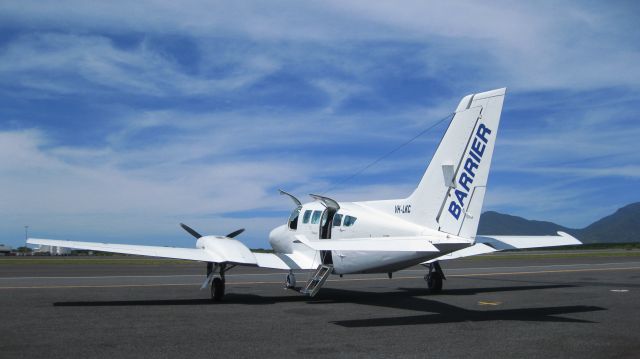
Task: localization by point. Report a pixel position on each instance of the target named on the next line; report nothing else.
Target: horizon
(119, 121)
(502, 214)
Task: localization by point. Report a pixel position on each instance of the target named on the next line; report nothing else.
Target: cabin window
(293, 218)
(316, 217)
(337, 220)
(349, 221)
(307, 215)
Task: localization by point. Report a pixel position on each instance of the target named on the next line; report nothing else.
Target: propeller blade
(190, 230)
(235, 233)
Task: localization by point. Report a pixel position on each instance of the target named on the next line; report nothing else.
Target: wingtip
(567, 235)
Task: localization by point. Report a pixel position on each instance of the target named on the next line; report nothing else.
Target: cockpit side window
(316, 217)
(293, 218)
(307, 215)
(349, 221)
(337, 220)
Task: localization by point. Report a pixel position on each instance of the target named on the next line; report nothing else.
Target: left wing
(194, 254)
(489, 244)
(222, 250)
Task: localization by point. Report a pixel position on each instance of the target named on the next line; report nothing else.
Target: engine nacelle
(227, 249)
(281, 240)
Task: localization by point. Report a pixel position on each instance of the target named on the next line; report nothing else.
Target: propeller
(235, 233)
(198, 235)
(190, 230)
(211, 267)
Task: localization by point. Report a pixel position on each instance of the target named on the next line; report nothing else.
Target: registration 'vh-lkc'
(403, 208)
(470, 165)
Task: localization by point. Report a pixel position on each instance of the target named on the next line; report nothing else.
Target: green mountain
(621, 226)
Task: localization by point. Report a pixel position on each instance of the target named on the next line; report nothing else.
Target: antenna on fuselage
(394, 150)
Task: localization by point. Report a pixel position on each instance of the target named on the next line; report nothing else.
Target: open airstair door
(326, 224)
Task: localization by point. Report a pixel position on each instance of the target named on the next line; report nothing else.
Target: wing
(223, 251)
(489, 244)
(385, 244)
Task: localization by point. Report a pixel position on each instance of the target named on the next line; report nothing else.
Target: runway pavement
(496, 307)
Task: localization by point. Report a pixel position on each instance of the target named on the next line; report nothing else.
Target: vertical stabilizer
(450, 195)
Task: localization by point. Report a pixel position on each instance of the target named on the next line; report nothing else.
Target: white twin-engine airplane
(437, 222)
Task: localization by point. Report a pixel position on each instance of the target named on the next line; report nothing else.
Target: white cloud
(53, 62)
(524, 46)
(220, 164)
(597, 142)
(38, 184)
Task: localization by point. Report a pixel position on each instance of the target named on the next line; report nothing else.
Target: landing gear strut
(290, 281)
(434, 277)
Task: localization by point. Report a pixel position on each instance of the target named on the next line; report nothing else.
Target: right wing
(489, 244)
(223, 250)
(385, 244)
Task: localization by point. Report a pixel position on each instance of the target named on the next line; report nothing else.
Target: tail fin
(450, 195)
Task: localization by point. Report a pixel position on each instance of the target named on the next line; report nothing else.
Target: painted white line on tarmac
(284, 272)
(330, 280)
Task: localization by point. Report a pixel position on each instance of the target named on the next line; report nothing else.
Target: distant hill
(499, 223)
(622, 226)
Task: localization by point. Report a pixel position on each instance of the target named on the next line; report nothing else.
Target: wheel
(290, 281)
(217, 289)
(434, 281)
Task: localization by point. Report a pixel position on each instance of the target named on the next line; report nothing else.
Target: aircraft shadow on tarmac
(417, 299)
(438, 312)
(585, 281)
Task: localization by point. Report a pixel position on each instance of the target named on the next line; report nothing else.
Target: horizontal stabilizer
(489, 244)
(522, 242)
(386, 244)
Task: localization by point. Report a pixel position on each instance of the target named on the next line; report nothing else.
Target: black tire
(217, 289)
(290, 282)
(434, 282)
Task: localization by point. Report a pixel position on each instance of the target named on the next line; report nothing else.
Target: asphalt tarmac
(489, 308)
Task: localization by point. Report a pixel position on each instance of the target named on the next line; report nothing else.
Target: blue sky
(118, 120)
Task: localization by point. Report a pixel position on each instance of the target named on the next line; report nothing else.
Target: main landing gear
(434, 277)
(217, 289)
(216, 280)
(290, 281)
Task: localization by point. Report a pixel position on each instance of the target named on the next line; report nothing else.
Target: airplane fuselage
(357, 220)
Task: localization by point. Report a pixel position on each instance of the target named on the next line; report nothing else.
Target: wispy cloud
(67, 63)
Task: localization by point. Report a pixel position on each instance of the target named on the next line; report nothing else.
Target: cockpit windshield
(349, 221)
(315, 218)
(293, 218)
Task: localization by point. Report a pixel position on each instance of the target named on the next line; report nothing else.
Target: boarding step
(317, 280)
